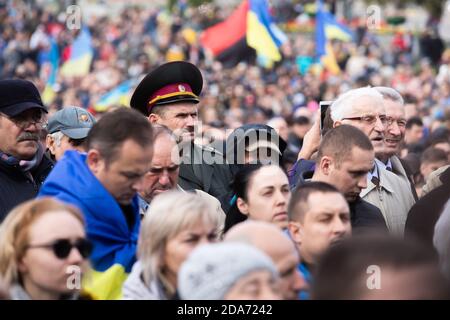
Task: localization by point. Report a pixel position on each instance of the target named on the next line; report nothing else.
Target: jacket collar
(384, 177)
(397, 166)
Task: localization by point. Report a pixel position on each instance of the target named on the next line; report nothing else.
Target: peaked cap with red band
(172, 82)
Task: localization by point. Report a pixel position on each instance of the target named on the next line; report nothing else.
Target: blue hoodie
(71, 181)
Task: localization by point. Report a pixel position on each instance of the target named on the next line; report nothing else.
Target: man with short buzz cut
(23, 163)
(67, 130)
(273, 242)
(319, 217)
(103, 184)
(344, 159)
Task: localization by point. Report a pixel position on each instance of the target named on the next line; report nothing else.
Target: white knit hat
(212, 269)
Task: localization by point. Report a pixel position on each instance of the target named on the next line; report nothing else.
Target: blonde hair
(168, 215)
(14, 233)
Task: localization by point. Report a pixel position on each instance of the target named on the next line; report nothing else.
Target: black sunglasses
(62, 247)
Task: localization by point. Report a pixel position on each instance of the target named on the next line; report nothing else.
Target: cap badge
(84, 118)
(181, 88)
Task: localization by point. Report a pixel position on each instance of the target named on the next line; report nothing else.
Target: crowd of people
(220, 183)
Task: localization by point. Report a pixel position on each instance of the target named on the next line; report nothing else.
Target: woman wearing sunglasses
(176, 223)
(43, 251)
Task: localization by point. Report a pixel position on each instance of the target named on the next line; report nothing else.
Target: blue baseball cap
(74, 122)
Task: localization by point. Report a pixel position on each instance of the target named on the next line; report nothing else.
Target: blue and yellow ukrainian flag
(111, 264)
(327, 28)
(53, 63)
(262, 34)
(113, 255)
(114, 240)
(118, 96)
(81, 53)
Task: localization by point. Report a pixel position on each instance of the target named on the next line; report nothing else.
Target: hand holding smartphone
(324, 106)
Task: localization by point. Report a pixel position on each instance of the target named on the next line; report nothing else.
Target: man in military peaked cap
(169, 96)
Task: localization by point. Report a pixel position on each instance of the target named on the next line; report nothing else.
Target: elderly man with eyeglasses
(23, 164)
(386, 190)
(365, 109)
(394, 136)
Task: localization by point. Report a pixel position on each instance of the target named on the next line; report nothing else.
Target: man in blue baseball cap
(23, 164)
(67, 130)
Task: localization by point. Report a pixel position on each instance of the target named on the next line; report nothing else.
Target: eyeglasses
(369, 119)
(23, 120)
(62, 247)
(401, 122)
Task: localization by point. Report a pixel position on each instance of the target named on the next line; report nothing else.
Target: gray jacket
(17, 292)
(134, 287)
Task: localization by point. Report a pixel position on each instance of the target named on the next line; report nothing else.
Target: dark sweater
(424, 214)
(17, 187)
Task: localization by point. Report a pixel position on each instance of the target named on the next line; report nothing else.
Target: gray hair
(390, 94)
(57, 137)
(441, 240)
(344, 104)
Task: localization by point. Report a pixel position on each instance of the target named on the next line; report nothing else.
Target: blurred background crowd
(39, 40)
(131, 42)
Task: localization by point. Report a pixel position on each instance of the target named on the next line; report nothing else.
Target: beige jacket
(393, 197)
(434, 180)
(398, 169)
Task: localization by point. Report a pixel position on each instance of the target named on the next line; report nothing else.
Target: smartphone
(324, 105)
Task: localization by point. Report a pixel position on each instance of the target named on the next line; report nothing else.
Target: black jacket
(212, 178)
(16, 187)
(424, 214)
(365, 216)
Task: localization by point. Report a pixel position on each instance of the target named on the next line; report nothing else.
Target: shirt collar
(374, 171)
(379, 172)
(143, 205)
(387, 165)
